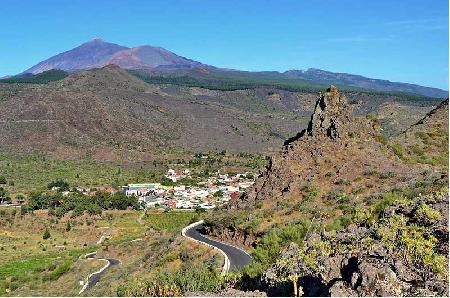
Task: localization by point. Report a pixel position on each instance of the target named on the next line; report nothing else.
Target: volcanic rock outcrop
(334, 142)
(390, 257)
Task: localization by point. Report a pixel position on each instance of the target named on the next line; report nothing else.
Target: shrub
(60, 270)
(174, 283)
(426, 214)
(310, 196)
(68, 226)
(46, 235)
(382, 139)
(268, 248)
(343, 182)
(398, 150)
(218, 194)
(145, 288)
(338, 197)
(417, 247)
(339, 223)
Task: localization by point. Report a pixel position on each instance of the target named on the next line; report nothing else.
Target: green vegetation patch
(170, 221)
(194, 279)
(24, 266)
(41, 78)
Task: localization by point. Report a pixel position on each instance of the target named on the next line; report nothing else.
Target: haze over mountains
(98, 53)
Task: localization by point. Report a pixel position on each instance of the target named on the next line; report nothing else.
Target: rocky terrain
(403, 253)
(334, 142)
(345, 211)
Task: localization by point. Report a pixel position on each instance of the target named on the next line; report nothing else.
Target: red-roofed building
(172, 203)
(234, 195)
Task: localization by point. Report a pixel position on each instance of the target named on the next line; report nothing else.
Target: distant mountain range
(156, 61)
(98, 53)
(326, 77)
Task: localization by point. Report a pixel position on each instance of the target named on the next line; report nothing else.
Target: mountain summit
(92, 54)
(98, 53)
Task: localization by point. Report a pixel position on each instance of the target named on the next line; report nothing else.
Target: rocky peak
(330, 113)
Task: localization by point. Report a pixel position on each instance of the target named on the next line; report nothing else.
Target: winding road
(235, 258)
(94, 277)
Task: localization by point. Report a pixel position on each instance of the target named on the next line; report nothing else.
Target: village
(177, 189)
(215, 191)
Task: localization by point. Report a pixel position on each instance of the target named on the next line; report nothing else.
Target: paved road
(95, 277)
(238, 257)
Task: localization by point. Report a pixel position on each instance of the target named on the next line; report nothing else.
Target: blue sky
(404, 40)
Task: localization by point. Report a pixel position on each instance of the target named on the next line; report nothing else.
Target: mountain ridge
(156, 116)
(323, 76)
(98, 53)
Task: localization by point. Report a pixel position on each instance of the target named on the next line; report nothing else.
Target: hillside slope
(111, 115)
(426, 142)
(339, 212)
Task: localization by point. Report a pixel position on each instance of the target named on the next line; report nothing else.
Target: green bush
(269, 246)
(398, 150)
(60, 184)
(218, 194)
(339, 197)
(427, 214)
(60, 270)
(46, 235)
(417, 246)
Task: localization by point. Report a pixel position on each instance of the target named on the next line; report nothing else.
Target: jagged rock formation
(334, 142)
(331, 111)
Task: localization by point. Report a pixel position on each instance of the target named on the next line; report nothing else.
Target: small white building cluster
(174, 175)
(215, 191)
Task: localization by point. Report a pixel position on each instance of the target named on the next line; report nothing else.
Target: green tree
(218, 194)
(60, 184)
(4, 197)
